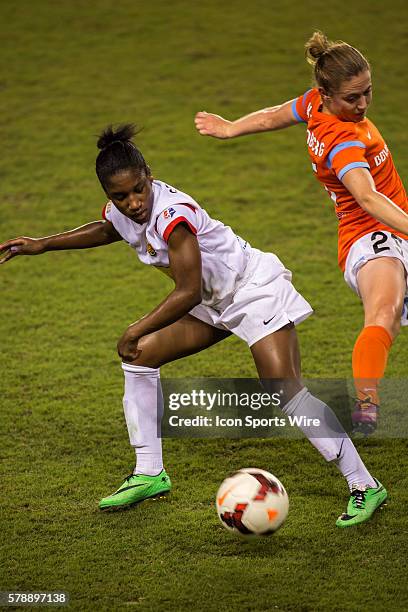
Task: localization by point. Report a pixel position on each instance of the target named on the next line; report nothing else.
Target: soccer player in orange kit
(353, 163)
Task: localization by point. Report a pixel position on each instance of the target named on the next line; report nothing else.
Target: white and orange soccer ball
(252, 502)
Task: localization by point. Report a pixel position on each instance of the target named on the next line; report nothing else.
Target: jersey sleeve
(299, 106)
(169, 218)
(346, 155)
(106, 212)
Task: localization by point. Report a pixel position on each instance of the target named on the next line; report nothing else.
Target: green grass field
(69, 68)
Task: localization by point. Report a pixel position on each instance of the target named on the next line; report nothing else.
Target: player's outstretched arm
(185, 265)
(360, 184)
(265, 120)
(96, 233)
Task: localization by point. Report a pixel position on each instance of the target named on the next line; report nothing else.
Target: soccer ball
(252, 502)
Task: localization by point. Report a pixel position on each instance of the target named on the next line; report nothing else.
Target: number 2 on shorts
(378, 239)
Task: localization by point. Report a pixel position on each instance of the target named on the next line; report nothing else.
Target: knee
(387, 315)
(148, 356)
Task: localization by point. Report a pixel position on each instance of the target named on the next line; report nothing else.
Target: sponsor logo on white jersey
(150, 250)
(169, 213)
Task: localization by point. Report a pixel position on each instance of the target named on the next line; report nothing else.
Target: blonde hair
(333, 62)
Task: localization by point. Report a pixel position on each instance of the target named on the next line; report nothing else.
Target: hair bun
(123, 134)
(316, 46)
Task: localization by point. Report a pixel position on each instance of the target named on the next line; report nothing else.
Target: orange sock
(370, 355)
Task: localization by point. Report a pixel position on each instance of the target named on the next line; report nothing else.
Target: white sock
(329, 438)
(143, 407)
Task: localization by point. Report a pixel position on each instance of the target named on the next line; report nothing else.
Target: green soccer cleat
(362, 505)
(135, 489)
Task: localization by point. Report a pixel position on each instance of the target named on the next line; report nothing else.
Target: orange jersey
(335, 147)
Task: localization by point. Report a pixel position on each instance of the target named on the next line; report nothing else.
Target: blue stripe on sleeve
(344, 145)
(350, 167)
(304, 98)
(295, 113)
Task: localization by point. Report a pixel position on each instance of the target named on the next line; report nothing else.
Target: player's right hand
(20, 246)
(209, 124)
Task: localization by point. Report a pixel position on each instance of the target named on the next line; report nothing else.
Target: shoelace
(359, 499)
(366, 404)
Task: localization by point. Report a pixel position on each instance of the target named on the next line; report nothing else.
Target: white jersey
(224, 255)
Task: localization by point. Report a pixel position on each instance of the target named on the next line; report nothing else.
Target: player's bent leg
(382, 286)
(277, 357)
(185, 337)
(143, 407)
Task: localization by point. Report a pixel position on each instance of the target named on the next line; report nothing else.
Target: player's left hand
(209, 124)
(127, 345)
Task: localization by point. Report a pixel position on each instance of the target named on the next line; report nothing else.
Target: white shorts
(264, 301)
(371, 246)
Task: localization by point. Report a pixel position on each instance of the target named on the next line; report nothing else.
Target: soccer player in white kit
(221, 286)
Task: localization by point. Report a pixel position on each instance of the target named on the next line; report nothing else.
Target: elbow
(367, 201)
(192, 297)
(196, 298)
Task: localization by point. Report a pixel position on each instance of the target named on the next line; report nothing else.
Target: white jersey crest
(224, 255)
